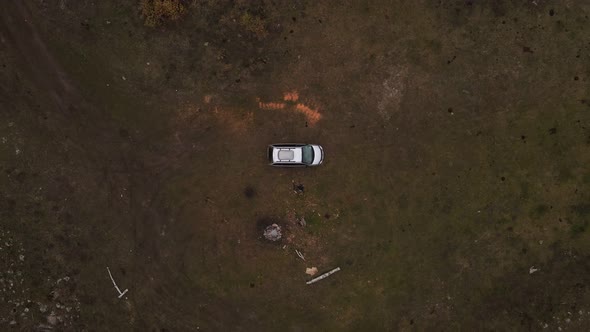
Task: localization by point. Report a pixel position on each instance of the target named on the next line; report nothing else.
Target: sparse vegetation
(253, 24)
(157, 12)
(578, 228)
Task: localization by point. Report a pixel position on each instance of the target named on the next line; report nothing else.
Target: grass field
(454, 194)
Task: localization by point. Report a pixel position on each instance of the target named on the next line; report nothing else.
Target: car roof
(287, 154)
(281, 145)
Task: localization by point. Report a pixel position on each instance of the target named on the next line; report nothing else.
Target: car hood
(318, 155)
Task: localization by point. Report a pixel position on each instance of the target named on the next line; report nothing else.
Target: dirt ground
(454, 194)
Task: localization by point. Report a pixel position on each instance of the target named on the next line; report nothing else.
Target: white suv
(294, 154)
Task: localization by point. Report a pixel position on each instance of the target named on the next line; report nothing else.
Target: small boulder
(272, 232)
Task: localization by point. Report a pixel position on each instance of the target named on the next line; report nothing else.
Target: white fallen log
(116, 287)
(323, 276)
(299, 254)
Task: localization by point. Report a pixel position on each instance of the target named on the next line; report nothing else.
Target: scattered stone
(273, 232)
(533, 270)
(52, 319)
(311, 270)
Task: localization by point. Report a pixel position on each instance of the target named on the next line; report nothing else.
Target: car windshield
(307, 154)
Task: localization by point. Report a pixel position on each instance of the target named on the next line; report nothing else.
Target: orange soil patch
(271, 106)
(313, 116)
(291, 96)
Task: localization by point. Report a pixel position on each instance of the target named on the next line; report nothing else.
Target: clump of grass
(578, 228)
(581, 209)
(540, 210)
(253, 24)
(158, 12)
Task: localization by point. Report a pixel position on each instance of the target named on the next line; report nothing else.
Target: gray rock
(52, 319)
(273, 232)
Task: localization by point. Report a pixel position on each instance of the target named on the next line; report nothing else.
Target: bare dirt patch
(392, 92)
